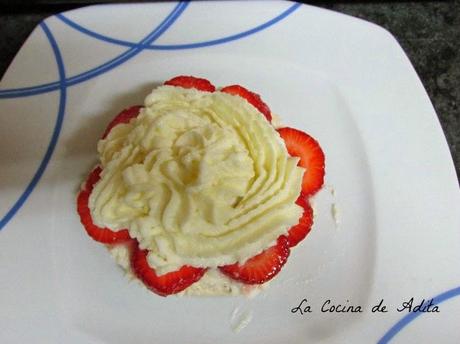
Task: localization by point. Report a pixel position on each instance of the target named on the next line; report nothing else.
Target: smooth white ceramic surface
(345, 81)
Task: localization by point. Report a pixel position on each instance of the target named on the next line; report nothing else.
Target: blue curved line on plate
(226, 39)
(56, 131)
(393, 331)
(136, 48)
(62, 85)
(115, 62)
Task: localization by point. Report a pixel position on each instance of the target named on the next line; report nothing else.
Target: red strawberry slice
(262, 267)
(191, 82)
(311, 157)
(123, 117)
(298, 232)
(253, 99)
(103, 235)
(93, 178)
(167, 284)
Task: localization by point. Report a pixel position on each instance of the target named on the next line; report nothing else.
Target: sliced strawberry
(298, 232)
(167, 284)
(191, 82)
(123, 117)
(103, 235)
(253, 99)
(311, 157)
(262, 267)
(93, 178)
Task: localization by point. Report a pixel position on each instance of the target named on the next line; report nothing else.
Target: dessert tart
(197, 193)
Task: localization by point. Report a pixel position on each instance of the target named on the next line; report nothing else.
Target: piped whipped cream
(198, 179)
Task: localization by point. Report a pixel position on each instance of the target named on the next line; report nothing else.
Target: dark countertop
(429, 32)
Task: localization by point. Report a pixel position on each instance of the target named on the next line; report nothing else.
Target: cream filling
(198, 178)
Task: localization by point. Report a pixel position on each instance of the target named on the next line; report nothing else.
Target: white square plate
(345, 81)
